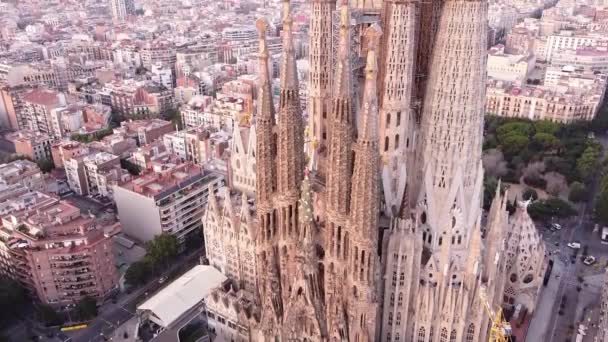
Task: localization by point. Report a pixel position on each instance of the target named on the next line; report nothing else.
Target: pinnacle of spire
(262, 27)
(265, 107)
(289, 75)
(368, 128)
(344, 70)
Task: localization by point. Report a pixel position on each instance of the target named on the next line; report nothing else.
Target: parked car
(590, 260)
(162, 280)
(574, 245)
(556, 226)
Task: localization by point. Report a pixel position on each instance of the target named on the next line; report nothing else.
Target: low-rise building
(23, 172)
(57, 252)
(507, 67)
(197, 145)
(67, 149)
(34, 145)
(170, 198)
(145, 131)
(179, 305)
(94, 174)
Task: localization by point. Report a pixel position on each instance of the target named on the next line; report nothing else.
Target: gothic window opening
(453, 335)
(400, 300)
(398, 119)
(396, 141)
(421, 334)
(392, 299)
(470, 333)
(401, 278)
(444, 335)
(386, 144)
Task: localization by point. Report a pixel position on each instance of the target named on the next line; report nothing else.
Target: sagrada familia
(365, 222)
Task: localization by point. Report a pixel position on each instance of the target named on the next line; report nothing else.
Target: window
(386, 143)
(400, 300)
(453, 335)
(397, 141)
(388, 119)
(390, 318)
(392, 299)
(470, 333)
(398, 320)
(421, 334)
(401, 278)
(444, 335)
(398, 119)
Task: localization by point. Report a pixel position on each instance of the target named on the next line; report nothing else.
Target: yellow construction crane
(500, 330)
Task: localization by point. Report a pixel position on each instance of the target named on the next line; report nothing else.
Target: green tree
(552, 207)
(530, 194)
(133, 168)
(601, 208)
(12, 298)
(589, 161)
(138, 273)
(46, 165)
(47, 315)
(162, 249)
(546, 141)
(86, 308)
(546, 126)
(514, 144)
(514, 128)
(578, 192)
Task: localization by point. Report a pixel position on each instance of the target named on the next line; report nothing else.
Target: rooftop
(165, 178)
(183, 294)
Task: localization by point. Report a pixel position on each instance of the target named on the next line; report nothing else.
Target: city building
(58, 253)
(169, 199)
(197, 145)
(506, 67)
(40, 111)
(94, 174)
(180, 304)
(542, 103)
(121, 9)
(23, 172)
(145, 131)
(32, 144)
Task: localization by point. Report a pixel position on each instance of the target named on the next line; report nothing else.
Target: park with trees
(561, 161)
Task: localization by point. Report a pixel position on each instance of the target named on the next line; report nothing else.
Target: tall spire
(265, 121)
(289, 74)
(319, 82)
(340, 143)
(398, 126)
(364, 219)
(365, 189)
(290, 144)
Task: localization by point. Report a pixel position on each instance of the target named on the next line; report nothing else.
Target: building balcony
(70, 264)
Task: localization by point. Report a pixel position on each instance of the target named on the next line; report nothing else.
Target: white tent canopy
(183, 294)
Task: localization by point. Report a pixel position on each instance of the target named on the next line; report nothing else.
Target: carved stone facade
(526, 261)
(337, 258)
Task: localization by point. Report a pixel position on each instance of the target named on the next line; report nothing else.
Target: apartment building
(57, 252)
(145, 131)
(594, 59)
(540, 103)
(67, 149)
(34, 145)
(508, 67)
(566, 40)
(193, 113)
(197, 145)
(158, 52)
(94, 174)
(139, 99)
(23, 172)
(170, 199)
(40, 109)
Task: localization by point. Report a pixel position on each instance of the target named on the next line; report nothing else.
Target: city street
(113, 315)
(576, 284)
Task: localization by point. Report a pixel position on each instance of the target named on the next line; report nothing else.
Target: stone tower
(397, 115)
(319, 81)
(363, 261)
